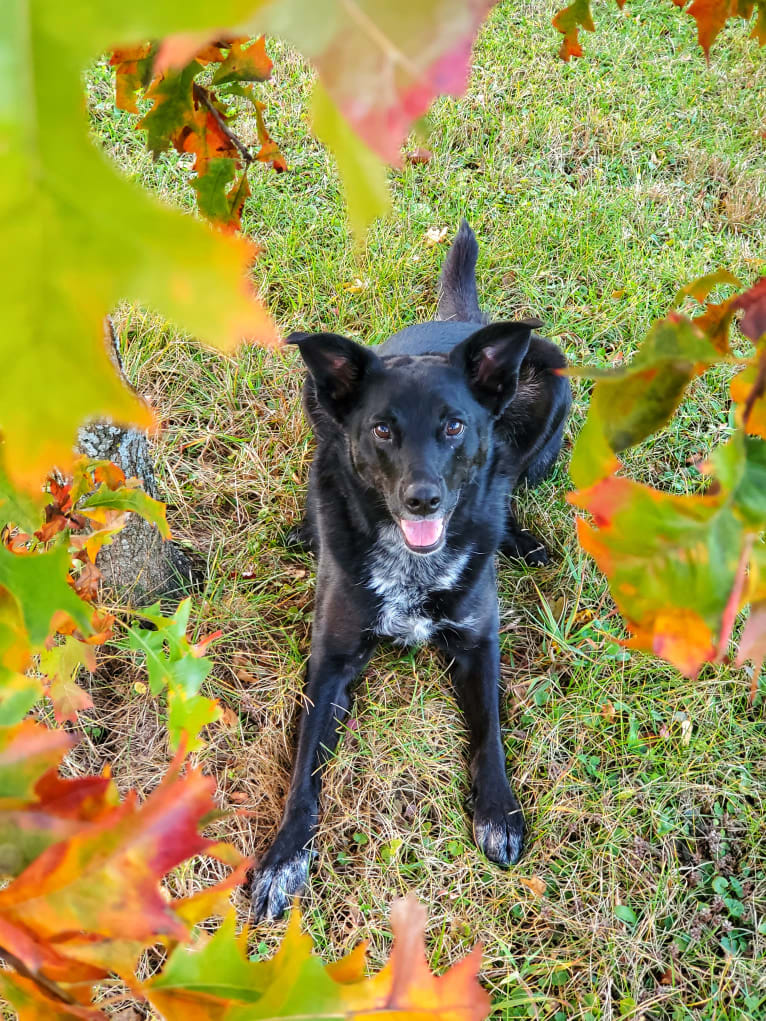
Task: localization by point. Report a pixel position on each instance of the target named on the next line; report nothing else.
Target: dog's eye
(454, 427)
(382, 431)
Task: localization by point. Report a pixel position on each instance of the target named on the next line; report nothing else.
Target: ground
(596, 189)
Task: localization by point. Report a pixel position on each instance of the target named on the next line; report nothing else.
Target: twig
(201, 96)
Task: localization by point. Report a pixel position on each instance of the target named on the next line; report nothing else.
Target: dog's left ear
(491, 359)
(338, 365)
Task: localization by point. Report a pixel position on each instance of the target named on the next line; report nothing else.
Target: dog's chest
(403, 582)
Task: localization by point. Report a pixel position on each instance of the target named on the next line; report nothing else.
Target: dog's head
(418, 427)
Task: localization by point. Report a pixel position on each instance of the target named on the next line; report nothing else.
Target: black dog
(420, 443)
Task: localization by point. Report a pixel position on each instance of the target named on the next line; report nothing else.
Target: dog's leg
(340, 650)
(498, 822)
(522, 544)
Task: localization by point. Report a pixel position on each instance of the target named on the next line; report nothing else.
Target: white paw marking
(274, 888)
(498, 840)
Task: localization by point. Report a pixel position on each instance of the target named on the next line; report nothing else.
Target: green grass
(596, 189)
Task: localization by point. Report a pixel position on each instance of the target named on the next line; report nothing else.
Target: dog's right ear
(338, 366)
(491, 358)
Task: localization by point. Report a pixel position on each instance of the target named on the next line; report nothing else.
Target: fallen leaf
(356, 286)
(608, 711)
(419, 155)
(435, 236)
(229, 718)
(535, 884)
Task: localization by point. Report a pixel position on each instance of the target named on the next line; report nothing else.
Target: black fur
(458, 299)
(420, 443)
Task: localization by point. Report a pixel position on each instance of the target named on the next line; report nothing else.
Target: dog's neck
(404, 581)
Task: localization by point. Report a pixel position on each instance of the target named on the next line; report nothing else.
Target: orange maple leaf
(711, 16)
(569, 21)
(94, 900)
(406, 982)
(205, 137)
(177, 50)
(680, 636)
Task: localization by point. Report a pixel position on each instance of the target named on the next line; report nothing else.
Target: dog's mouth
(423, 535)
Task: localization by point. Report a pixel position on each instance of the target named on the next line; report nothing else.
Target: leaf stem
(758, 389)
(732, 604)
(47, 985)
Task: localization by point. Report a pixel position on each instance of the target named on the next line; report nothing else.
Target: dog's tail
(457, 282)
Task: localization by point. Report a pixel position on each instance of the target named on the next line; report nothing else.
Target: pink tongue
(422, 533)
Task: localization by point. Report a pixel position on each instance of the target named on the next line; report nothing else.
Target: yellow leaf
(535, 884)
(78, 237)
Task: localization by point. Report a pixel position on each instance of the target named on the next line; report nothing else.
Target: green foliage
(87, 241)
(362, 171)
(88, 237)
(176, 665)
(677, 565)
(49, 581)
(38, 583)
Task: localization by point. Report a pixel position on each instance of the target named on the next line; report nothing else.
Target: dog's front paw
(300, 538)
(276, 881)
(498, 828)
(524, 545)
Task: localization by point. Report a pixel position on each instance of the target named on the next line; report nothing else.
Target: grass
(596, 189)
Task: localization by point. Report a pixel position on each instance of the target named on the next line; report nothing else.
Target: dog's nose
(422, 497)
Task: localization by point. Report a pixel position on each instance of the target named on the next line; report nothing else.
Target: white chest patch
(403, 580)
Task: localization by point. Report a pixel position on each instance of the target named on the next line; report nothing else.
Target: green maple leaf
(629, 404)
(672, 564)
(173, 106)
(187, 715)
(361, 170)
(38, 584)
(172, 662)
(740, 466)
(211, 188)
(569, 21)
(78, 237)
(129, 498)
(219, 981)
